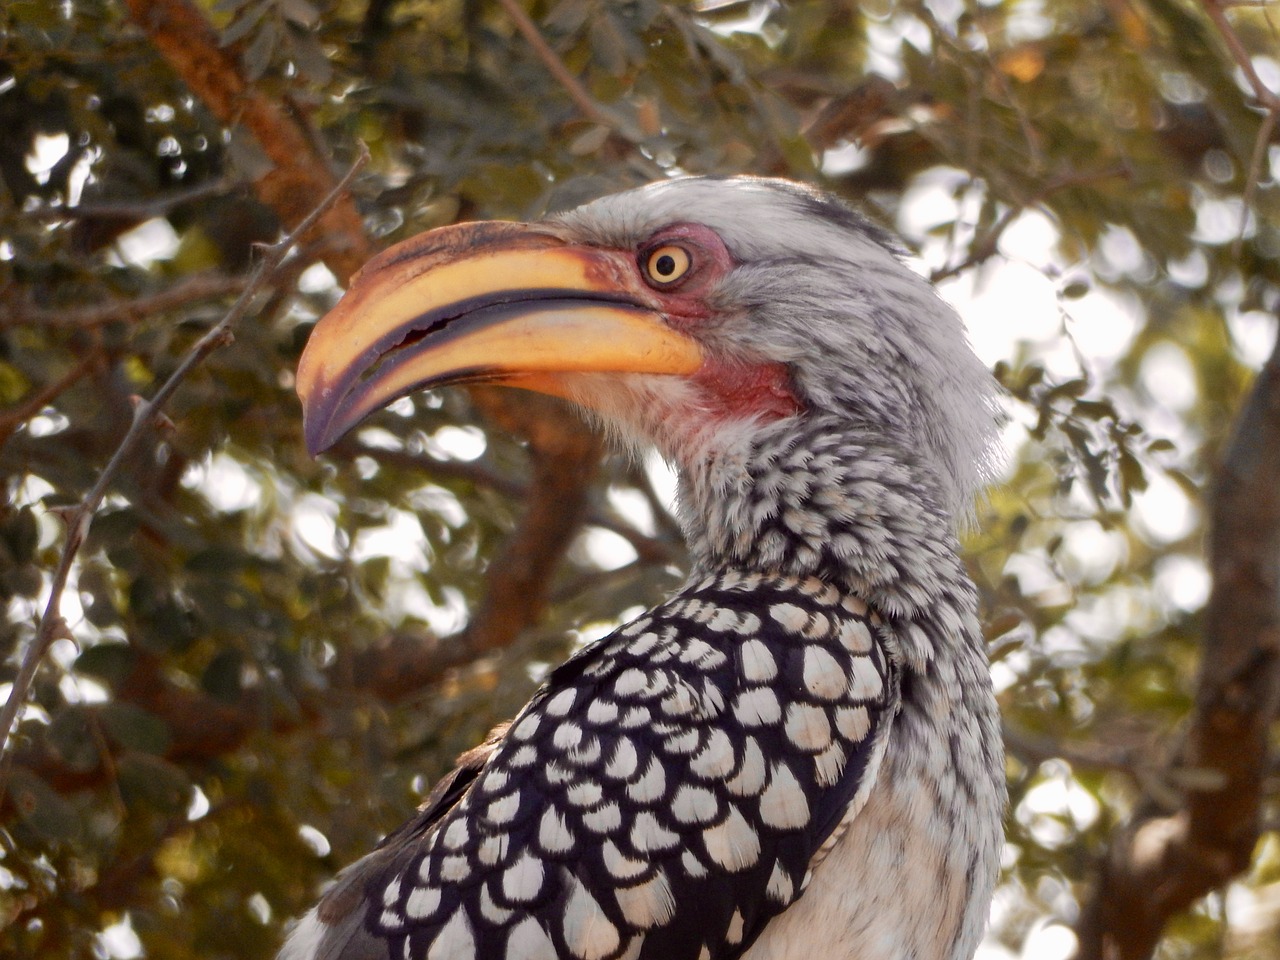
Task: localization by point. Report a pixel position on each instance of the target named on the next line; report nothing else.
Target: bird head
(693, 314)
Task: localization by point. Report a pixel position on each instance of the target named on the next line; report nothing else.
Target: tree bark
(1162, 861)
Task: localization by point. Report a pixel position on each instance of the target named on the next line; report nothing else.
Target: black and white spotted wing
(664, 794)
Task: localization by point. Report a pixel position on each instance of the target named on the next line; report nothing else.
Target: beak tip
(318, 430)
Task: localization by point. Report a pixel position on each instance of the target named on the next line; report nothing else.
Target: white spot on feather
(554, 835)
(648, 835)
(624, 761)
(758, 664)
(866, 683)
(783, 804)
(648, 904)
(522, 881)
(457, 834)
(684, 742)
(829, 765)
(528, 941)
(490, 910)
(791, 617)
(493, 849)
(757, 707)
(695, 805)
(734, 934)
(750, 778)
(422, 903)
(853, 722)
(585, 794)
(630, 682)
(732, 843)
(605, 820)
(619, 865)
(527, 727)
(855, 637)
(602, 711)
(781, 887)
(651, 787)
(391, 893)
(567, 736)
(587, 930)
(693, 867)
(716, 759)
(823, 676)
(561, 703)
(455, 941)
(808, 727)
(454, 869)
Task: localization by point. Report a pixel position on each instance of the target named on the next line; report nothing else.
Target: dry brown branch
(11, 419)
(145, 417)
(188, 41)
(190, 44)
(1268, 99)
(1160, 863)
(1032, 748)
(649, 549)
(204, 286)
(586, 104)
(133, 212)
(564, 456)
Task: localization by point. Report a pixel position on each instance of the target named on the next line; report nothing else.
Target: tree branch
(146, 415)
(984, 248)
(11, 419)
(201, 286)
(564, 456)
(1268, 98)
(586, 104)
(1161, 863)
(189, 42)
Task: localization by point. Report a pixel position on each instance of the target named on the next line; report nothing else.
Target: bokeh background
(267, 659)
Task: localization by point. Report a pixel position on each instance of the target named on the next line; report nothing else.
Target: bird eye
(667, 264)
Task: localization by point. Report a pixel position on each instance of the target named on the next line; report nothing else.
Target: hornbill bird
(795, 756)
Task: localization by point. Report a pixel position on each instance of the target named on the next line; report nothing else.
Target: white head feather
(825, 291)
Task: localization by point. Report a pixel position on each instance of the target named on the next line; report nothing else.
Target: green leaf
(133, 728)
(147, 782)
(71, 735)
(106, 661)
(42, 809)
(222, 677)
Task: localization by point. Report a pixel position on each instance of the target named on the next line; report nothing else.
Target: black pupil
(665, 265)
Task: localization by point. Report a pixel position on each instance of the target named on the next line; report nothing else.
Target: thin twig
(52, 625)
(591, 109)
(205, 286)
(137, 210)
(1217, 12)
(12, 418)
(985, 247)
(1253, 176)
(1267, 98)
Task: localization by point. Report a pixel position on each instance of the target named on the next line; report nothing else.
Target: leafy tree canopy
(265, 660)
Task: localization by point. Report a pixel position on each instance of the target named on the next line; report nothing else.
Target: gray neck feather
(818, 496)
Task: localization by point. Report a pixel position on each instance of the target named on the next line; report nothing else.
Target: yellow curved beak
(479, 302)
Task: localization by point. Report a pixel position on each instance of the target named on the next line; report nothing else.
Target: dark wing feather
(661, 797)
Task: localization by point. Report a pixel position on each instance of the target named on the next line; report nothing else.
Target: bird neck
(821, 496)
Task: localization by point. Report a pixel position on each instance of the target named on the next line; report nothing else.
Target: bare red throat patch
(742, 390)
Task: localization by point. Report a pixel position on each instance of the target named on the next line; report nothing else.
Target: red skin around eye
(709, 259)
(736, 389)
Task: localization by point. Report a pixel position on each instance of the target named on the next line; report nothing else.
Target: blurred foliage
(208, 751)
